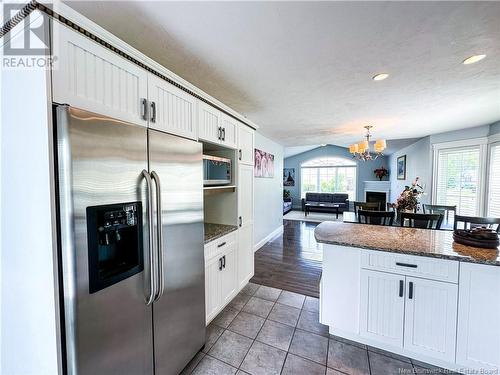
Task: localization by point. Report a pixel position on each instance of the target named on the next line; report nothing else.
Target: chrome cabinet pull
(219, 133)
(221, 244)
(220, 264)
(224, 134)
(239, 154)
(152, 269)
(241, 221)
(144, 109)
(159, 237)
(153, 112)
(401, 288)
(224, 261)
(410, 291)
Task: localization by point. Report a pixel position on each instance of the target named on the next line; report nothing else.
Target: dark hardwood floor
(291, 262)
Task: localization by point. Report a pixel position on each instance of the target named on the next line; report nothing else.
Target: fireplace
(378, 191)
(377, 196)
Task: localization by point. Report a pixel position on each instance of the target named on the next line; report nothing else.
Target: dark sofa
(338, 198)
(287, 205)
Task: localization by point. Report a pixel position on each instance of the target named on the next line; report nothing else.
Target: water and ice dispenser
(115, 243)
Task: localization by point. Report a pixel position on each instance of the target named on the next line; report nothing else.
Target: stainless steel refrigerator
(130, 208)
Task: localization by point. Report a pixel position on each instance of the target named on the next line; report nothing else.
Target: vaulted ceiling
(302, 70)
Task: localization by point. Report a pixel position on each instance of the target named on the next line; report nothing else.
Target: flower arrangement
(381, 173)
(408, 199)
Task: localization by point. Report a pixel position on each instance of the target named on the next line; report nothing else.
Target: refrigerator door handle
(152, 270)
(159, 237)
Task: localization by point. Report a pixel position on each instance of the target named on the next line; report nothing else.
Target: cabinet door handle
(401, 288)
(241, 221)
(406, 265)
(239, 154)
(144, 109)
(220, 264)
(221, 244)
(410, 291)
(224, 261)
(153, 112)
(224, 134)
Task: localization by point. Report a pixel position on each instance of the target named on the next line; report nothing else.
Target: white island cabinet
(439, 311)
(478, 336)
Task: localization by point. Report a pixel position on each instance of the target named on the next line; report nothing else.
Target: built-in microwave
(216, 170)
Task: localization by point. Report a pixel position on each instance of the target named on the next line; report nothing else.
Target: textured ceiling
(302, 70)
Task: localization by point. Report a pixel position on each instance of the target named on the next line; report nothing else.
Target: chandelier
(361, 150)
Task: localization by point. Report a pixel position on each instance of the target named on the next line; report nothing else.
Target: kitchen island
(413, 292)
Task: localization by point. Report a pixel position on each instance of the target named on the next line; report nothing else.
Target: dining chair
(426, 221)
(474, 222)
(440, 209)
(385, 218)
(366, 206)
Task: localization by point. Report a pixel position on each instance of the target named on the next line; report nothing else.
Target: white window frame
(493, 140)
(483, 167)
(354, 165)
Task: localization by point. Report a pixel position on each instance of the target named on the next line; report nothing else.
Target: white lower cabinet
(245, 255)
(430, 318)
(221, 274)
(438, 311)
(382, 307)
(478, 334)
(409, 313)
(212, 288)
(229, 283)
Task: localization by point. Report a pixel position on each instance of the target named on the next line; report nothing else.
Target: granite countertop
(214, 231)
(412, 241)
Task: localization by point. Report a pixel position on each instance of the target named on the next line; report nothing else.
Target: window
(458, 178)
(494, 181)
(329, 175)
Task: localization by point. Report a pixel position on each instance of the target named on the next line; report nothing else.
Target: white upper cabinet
(478, 336)
(209, 128)
(229, 129)
(245, 144)
(170, 109)
(88, 76)
(216, 127)
(430, 318)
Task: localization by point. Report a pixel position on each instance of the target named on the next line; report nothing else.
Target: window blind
(494, 182)
(458, 176)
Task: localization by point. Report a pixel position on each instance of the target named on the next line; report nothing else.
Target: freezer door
(179, 314)
(103, 204)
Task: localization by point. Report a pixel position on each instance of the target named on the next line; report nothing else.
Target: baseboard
(271, 236)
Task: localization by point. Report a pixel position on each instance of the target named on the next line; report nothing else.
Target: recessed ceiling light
(473, 59)
(380, 76)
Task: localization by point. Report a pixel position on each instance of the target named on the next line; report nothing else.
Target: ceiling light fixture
(473, 59)
(361, 150)
(380, 76)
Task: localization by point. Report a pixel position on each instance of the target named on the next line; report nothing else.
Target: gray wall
(364, 172)
(418, 162)
(419, 157)
(268, 193)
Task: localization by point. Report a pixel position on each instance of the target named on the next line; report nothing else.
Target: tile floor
(266, 331)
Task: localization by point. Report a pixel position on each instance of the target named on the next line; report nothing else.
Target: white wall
(28, 307)
(268, 194)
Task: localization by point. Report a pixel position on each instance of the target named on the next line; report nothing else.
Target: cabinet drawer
(411, 265)
(216, 247)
